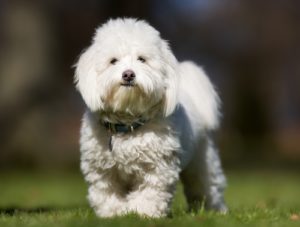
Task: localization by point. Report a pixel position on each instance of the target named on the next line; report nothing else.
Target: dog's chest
(139, 153)
(131, 156)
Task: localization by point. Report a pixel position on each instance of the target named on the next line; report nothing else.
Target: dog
(149, 122)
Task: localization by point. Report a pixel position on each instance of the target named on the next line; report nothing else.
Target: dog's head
(128, 68)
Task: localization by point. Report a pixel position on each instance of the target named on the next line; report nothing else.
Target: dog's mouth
(128, 84)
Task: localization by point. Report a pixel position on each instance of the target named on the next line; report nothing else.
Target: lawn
(260, 198)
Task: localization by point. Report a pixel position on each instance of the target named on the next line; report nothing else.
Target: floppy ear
(171, 80)
(86, 79)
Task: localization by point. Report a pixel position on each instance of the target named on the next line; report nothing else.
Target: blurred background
(250, 49)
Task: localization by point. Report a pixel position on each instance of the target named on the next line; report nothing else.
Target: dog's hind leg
(203, 179)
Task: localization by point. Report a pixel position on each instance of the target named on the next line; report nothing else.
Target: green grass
(44, 199)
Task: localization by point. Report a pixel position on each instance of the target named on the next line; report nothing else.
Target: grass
(44, 199)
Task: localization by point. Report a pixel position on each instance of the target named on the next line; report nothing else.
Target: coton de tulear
(149, 121)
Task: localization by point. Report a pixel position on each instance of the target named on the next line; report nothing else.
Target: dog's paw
(151, 209)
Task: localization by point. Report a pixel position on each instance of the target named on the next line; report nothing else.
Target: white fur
(180, 108)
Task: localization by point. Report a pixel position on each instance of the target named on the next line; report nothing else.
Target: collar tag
(110, 143)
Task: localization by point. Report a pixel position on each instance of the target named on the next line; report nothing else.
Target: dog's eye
(141, 59)
(113, 61)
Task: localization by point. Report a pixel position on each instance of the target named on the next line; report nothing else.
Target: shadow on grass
(11, 211)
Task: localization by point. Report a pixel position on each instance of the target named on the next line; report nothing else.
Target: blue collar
(122, 128)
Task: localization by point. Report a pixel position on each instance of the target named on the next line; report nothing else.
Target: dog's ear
(171, 80)
(86, 79)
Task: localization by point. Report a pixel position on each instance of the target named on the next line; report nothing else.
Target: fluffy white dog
(148, 122)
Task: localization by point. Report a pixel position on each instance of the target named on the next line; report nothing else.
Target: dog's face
(128, 68)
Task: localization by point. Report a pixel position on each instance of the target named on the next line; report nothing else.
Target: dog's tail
(198, 95)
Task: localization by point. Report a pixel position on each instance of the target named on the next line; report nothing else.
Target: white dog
(149, 120)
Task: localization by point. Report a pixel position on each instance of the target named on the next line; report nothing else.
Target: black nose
(128, 75)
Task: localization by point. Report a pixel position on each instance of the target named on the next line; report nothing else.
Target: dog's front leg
(154, 196)
(106, 199)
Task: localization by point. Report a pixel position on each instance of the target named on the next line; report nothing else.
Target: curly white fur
(138, 171)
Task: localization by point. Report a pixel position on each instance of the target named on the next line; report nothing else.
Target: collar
(122, 128)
